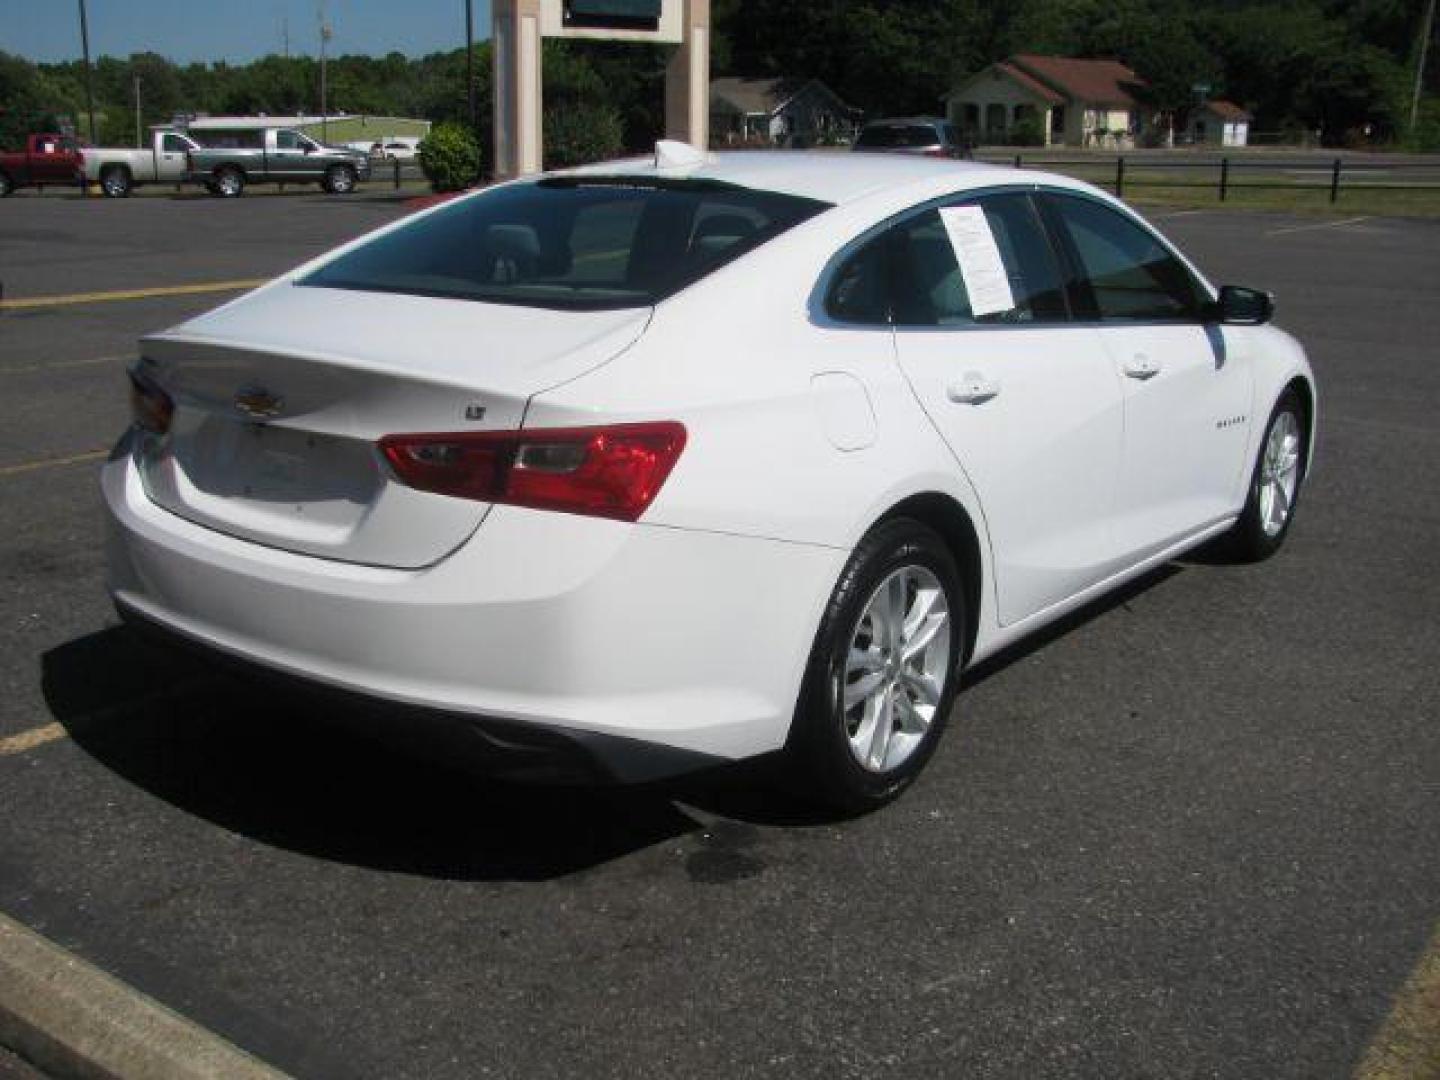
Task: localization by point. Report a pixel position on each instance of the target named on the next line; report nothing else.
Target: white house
(1074, 102)
(777, 110)
(1219, 123)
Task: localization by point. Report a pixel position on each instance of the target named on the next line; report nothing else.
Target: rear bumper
(516, 751)
(593, 630)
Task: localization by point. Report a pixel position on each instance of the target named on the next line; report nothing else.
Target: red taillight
(614, 471)
(150, 407)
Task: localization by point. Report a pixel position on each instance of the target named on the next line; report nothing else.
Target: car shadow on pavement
(269, 766)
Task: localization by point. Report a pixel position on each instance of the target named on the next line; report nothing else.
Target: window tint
(174, 144)
(1127, 273)
(287, 140)
(911, 272)
(570, 243)
(859, 291)
(930, 288)
(897, 136)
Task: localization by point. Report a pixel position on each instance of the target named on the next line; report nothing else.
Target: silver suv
(913, 135)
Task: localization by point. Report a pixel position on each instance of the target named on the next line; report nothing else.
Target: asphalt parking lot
(1190, 834)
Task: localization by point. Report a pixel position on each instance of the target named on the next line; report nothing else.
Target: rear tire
(6, 186)
(339, 180)
(1275, 484)
(115, 182)
(883, 671)
(229, 183)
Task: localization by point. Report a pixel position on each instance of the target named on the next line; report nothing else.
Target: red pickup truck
(47, 159)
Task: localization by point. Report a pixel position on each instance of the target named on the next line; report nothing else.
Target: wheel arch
(1306, 393)
(954, 525)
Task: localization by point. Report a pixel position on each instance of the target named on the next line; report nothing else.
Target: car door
(289, 161)
(1029, 403)
(170, 162)
(1187, 386)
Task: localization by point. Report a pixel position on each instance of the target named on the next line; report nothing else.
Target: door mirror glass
(1243, 307)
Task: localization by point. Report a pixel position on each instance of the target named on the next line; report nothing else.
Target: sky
(188, 30)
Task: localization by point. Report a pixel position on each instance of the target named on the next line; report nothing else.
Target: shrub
(1027, 132)
(580, 134)
(450, 157)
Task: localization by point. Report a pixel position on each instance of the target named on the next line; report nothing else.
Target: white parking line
(1318, 225)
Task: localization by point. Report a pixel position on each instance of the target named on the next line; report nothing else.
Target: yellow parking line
(29, 740)
(1408, 1044)
(50, 463)
(130, 294)
(60, 365)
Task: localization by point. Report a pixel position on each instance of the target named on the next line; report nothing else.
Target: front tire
(6, 186)
(883, 671)
(1274, 484)
(115, 182)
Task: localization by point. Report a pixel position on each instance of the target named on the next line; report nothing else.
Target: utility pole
(1426, 26)
(470, 67)
(85, 50)
(138, 143)
(285, 35)
(325, 35)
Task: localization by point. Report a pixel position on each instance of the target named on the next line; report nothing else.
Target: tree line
(1343, 68)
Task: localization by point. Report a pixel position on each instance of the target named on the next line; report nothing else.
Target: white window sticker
(980, 264)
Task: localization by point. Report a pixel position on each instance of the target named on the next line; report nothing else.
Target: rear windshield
(897, 135)
(571, 243)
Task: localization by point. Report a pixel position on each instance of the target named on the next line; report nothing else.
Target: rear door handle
(973, 389)
(1141, 367)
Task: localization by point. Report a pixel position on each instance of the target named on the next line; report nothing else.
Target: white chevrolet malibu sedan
(673, 462)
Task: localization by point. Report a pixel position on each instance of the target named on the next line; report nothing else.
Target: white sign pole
(517, 28)
(687, 80)
(515, 47)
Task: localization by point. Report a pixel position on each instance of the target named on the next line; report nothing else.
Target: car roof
(829, 176)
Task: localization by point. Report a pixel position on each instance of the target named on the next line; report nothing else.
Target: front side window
(287, 140)
(571, 243)
(1126, 273)
(174, 144)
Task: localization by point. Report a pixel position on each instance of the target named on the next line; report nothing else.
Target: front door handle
(973, 389)
(1141, 367)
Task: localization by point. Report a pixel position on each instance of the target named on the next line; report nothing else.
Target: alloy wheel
(895, 668)
(1279, 473)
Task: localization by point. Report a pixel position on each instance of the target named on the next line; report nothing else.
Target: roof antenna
(670, 154)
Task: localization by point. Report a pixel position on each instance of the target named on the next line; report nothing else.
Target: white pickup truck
(118, 172)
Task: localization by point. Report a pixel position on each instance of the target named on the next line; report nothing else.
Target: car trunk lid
(280, 399)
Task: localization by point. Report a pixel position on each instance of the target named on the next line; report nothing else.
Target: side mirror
(1240, 306)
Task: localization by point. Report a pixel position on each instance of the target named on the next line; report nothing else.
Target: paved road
(1193, 834)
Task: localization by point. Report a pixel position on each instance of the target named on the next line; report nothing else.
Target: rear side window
(912, 275)
(1126, 273)
(897, 137)
(571, 243)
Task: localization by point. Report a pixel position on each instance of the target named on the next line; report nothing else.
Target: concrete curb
(73, 1020)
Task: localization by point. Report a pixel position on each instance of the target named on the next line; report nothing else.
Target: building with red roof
(1071, 101)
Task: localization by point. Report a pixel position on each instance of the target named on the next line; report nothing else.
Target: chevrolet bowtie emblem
(258, 403)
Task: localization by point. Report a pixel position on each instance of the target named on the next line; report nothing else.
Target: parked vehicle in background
(913, 135)
(48, 158)
(120, 171)
(395, 149)
(231, 159)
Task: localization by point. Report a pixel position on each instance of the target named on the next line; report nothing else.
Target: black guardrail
(1233, 174)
